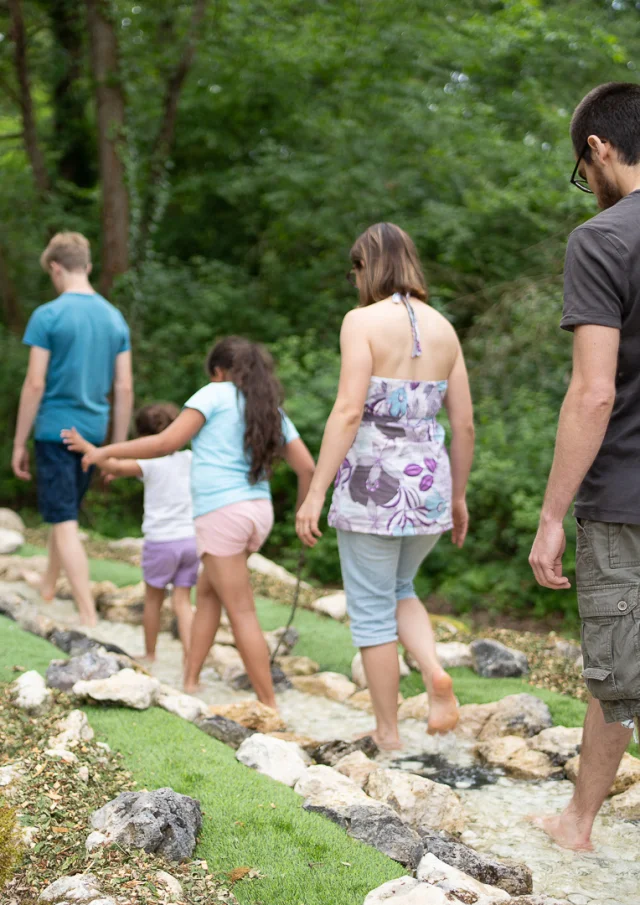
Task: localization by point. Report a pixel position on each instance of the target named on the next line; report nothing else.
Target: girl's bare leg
(383, 677)
(153, 600)
(50, 577)
(416, 635)
(204, 626)
(181, 602)
(229, 575)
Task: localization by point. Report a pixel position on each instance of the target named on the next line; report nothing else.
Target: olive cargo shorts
(608, 581)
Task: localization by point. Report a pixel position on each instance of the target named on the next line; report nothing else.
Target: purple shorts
(170, 562)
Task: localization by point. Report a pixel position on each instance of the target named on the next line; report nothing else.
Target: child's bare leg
(416, 635)
(229, 575)
(52, 573)
(73, 560)
(383, 678)
(153, 600)
(203, 631)
(181, 602)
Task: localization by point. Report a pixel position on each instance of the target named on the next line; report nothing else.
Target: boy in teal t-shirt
(79, 353)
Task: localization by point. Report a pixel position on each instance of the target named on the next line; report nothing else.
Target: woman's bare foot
(564, 831)
(443, 708)
(384, 742)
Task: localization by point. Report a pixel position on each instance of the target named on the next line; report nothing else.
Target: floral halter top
(396, 478)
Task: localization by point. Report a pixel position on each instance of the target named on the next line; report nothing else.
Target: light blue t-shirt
(84, 335)
(220, 468)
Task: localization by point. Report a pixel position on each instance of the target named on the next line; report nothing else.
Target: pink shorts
(238, 528)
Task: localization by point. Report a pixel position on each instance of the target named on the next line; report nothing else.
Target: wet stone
(281, 681)
(437, 768)
(493, 660)
(227, 731)
(75, 643)
(329, 753)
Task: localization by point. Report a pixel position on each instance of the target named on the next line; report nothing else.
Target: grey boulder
(162, 821)
(225, 730)
(494, 660)
(94, 664)
(376, 825)
(514, 878)
(241, 682)
(75, 643)
(81, 889)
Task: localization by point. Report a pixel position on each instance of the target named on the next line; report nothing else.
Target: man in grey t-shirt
(598, 446)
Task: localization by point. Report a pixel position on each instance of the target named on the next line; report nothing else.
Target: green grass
(304, 859)
(120, 573)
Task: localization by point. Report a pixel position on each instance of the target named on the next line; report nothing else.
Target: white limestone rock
(421, 802)
(321, 785)
(453, 654)
(358, 674)
(259, 563)
(10, 541)
(559, 743)
(74, 728)
(332, 685)
(11, 521)
(407, 891)
(513, 754)
(334, 605)
(186, 706)
(79, 889)
(30, 693)
(357, 766)
(133, 689)
(282, 761)
(170, 883)
(454, 882)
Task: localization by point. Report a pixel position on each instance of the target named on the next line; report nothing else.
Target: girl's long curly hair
(250, 367)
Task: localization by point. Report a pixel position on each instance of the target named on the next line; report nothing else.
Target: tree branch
(11, 310)
(32, 145)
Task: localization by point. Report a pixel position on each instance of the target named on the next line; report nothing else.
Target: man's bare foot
(443, 709)
(384, 742)
(564, 831)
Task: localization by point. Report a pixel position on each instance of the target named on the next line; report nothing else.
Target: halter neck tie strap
(398, 298)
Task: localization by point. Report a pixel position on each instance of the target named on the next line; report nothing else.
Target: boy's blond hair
(69, 250)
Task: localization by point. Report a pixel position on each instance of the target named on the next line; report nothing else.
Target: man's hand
(20, 463)
(546, 556)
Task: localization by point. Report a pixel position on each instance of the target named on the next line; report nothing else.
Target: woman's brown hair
(387, 261)
(250, 367)
(153, 419)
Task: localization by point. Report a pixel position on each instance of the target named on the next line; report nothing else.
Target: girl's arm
(343, 423)
(298, 457)
(460, 410)
(170, 440)
(118, 468)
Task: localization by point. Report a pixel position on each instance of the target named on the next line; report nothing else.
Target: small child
(169, 554)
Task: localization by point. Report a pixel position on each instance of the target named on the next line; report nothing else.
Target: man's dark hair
(153, 419)
(612, 112)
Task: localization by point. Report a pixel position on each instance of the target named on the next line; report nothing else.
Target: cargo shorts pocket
(611, 641)
(624, 546)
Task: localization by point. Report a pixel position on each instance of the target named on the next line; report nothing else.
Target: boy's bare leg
(203, 631)
(153, 600)
(229, 576)
(181, 601)
(52, 573)
(73, 559)
(603, 745)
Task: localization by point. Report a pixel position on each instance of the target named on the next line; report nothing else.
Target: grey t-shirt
(602, 286)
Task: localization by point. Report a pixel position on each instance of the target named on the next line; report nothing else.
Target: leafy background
(300, 123)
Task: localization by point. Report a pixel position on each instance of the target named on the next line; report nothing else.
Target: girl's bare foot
(145, 658)
(192, 687)
(443, 708)
(564, 831)
(384, 742)
(47, 592)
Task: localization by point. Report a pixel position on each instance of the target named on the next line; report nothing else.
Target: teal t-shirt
(219, 467)
(84, 335)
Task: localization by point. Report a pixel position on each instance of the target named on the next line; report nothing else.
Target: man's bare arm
(583, 423)
(122, 397)
(30, 398)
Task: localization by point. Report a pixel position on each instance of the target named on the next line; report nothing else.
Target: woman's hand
(74, 441)
(308, 518)
(460, 515)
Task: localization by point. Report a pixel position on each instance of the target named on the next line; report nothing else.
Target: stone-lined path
(496, 813)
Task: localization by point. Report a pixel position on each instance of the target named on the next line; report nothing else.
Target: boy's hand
(20, 463)
(74, 441)
(95, 455)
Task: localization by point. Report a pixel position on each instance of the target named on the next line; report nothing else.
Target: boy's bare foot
(564, 831)
(443, 708)
(384, 742)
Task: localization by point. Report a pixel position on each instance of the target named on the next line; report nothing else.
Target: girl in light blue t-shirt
(237, 430)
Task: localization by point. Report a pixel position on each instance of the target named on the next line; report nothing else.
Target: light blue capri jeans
(377, 572)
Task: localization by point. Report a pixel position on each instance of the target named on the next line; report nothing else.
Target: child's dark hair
(250, 367)
(153, 419)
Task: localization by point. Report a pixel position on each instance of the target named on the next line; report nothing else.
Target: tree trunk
(32, 145)
(166, 132)
(73, 138)
(11, 311)
(111, 110)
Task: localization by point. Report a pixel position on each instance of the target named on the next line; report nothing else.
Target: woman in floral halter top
(396, 490)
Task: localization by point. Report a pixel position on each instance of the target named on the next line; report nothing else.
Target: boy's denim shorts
(61, 482)
(377, 572)
(608, 580)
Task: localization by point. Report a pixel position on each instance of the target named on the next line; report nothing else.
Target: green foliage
(9, 848)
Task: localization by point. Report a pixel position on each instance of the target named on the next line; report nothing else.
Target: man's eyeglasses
(576, 178)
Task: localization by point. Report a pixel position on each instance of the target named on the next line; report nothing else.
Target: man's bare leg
(73, 559)
(50, 578)
(603, 745)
